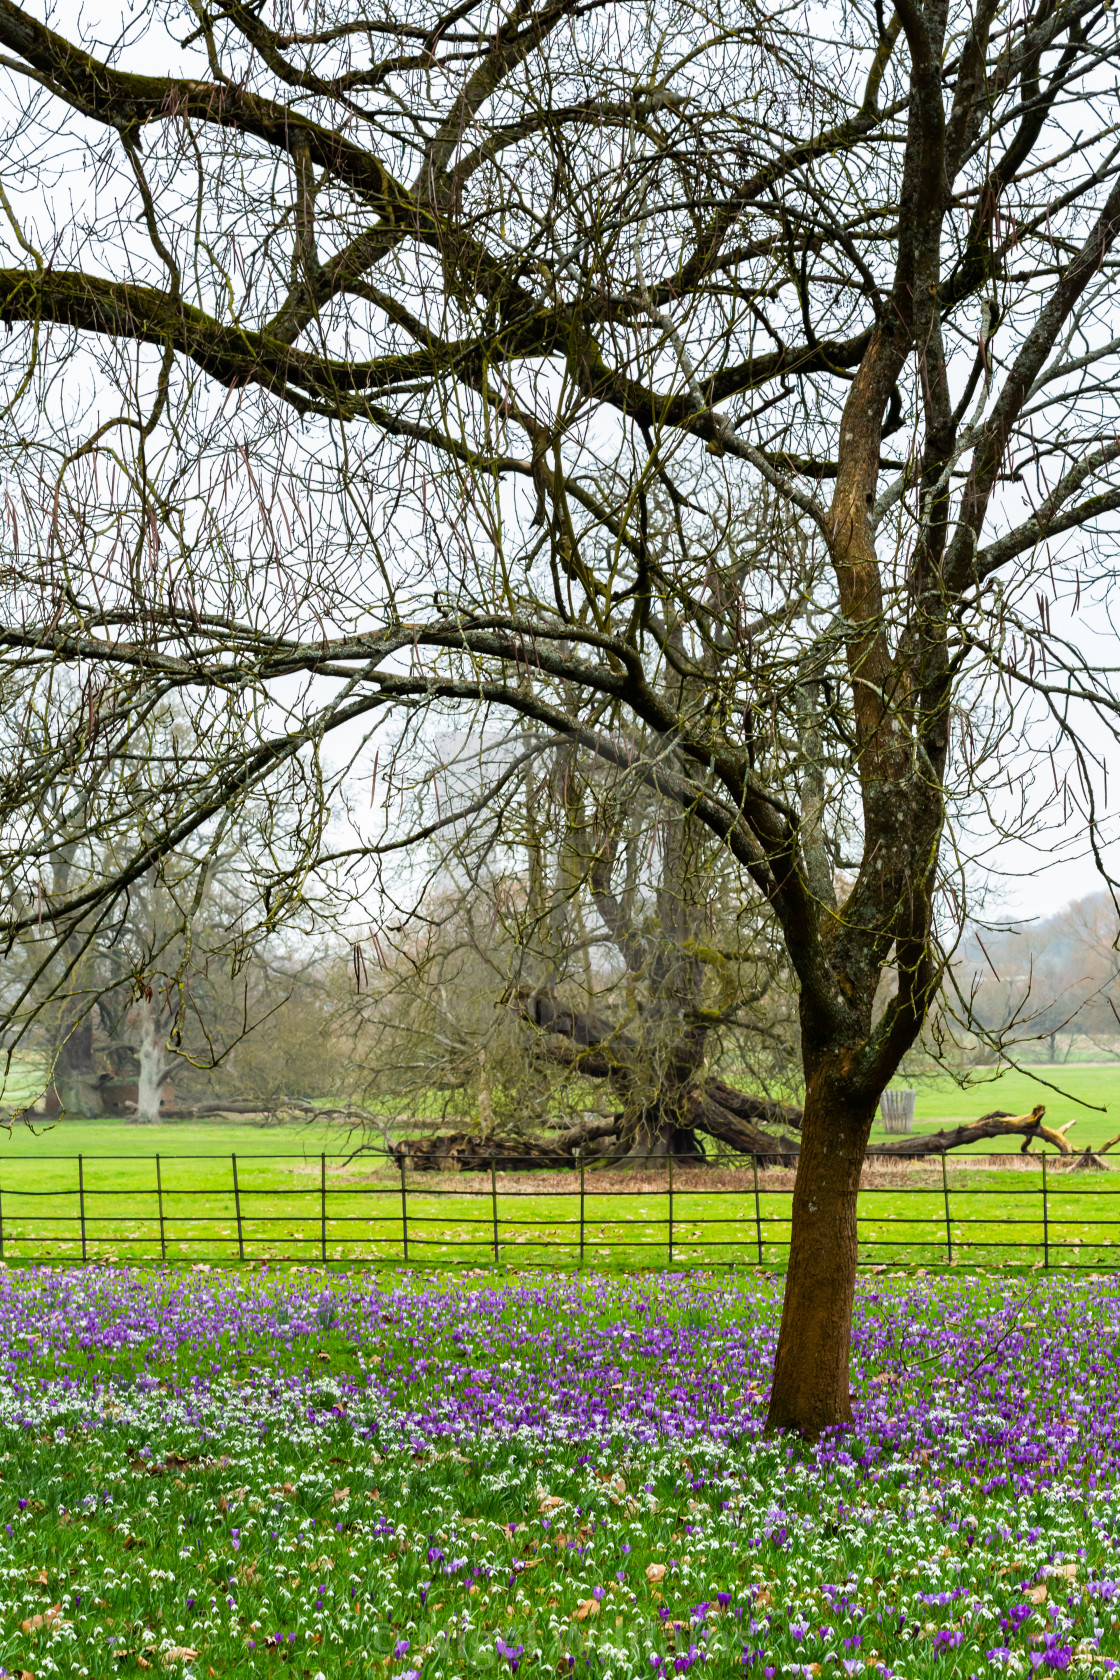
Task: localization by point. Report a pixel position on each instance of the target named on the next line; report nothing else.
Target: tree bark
(810, 1390)
(151, 1052)
(76, 1081)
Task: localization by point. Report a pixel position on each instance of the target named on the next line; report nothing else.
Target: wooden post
(582, 1218)
(757, 1209)
(494, 1203)
(404, 1206)
(237, 1211)
(670, 1208)
(948, 1227)
(323, 1207)
(159, 1198)
(1045, 1220)
(82, 1202)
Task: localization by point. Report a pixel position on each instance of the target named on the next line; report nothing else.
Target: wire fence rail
(372, 1208)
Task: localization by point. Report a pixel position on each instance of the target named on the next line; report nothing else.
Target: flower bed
(211, 1473)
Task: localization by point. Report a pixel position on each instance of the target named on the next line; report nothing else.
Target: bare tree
(357, 355)
(584, 946)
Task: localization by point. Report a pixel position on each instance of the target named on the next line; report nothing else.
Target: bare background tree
(583, 959)
(729, 396)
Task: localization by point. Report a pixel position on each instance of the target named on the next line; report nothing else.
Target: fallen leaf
(325, 1357)
(339, 1495)
(1037, 1595)
(142, 1662)
(179, 1653)
(550, 1502)
(49, 1618)
(655, 1572)
(1067, 1570)
(586, 1607)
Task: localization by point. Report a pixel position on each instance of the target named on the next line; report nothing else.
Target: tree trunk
(659, 1131)
(811, 1390)
(151, 1053)
(76, 1081)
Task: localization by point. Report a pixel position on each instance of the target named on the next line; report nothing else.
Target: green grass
(283, 1194)
(236, 1477)
(940, 1101)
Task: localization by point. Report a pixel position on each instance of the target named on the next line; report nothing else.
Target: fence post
(404, 1205)
(494, 1203)
(582, 1218)
(948, 1227)
(82, 1202)
(237, 1210)
(757, 1209)
(323, 1207)
(1045, 1220)
(670, 1207)
(159, 1198)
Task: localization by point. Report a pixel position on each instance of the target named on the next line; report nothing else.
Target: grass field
(284, 1190)
(1088, 1095)
(242, 1475)
(290, 1202)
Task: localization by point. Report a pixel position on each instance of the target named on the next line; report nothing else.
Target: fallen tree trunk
(1027, 1126)
(599, 1139)
(738, 1103)
(459, 1152)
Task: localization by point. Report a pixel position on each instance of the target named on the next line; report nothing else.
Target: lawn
(1086, 1094)
(170, 1192)
(213, 1474)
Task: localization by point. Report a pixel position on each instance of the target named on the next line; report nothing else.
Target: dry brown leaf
(339, 1495)
(142, 1662)
(550, 1502)
(49, 1618)
(655, 1572)
(586, 1607)
(179, 1653)
(38, 1577)
(1037, 1595)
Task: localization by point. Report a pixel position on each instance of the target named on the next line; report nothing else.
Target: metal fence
(373, 1209)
